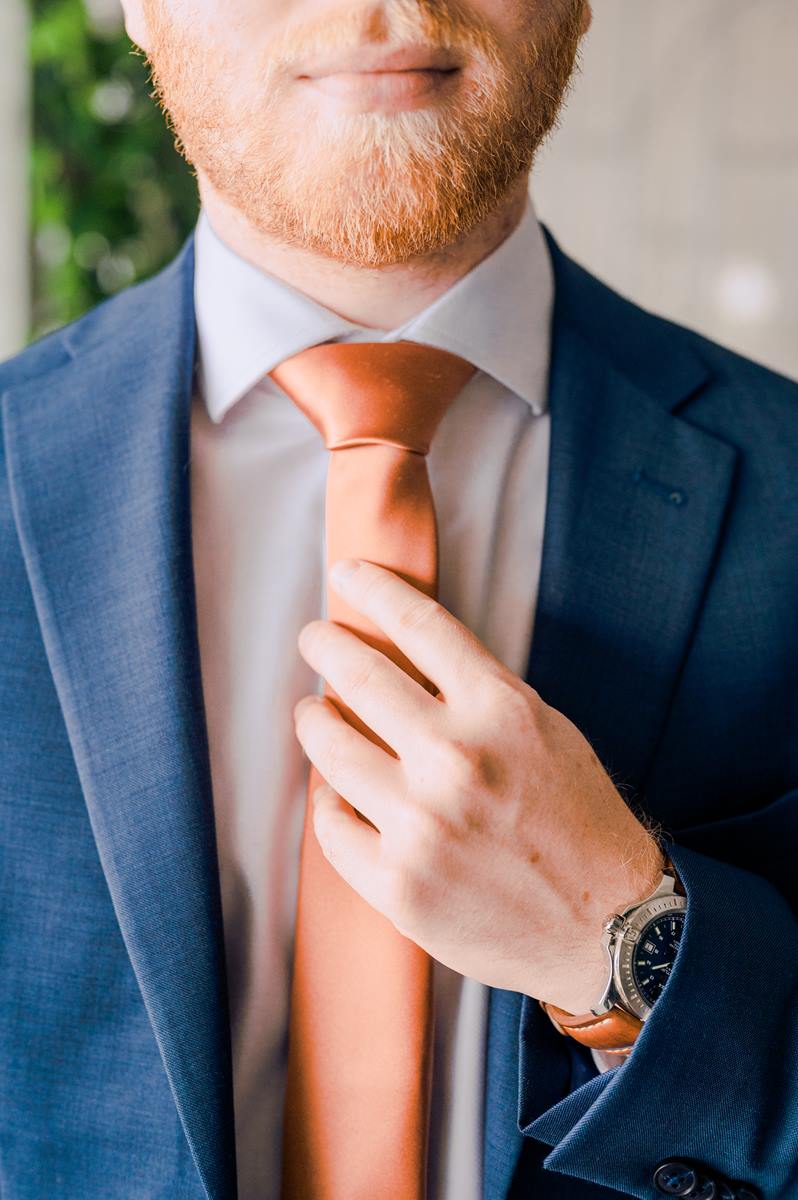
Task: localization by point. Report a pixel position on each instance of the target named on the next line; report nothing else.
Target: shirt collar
(497, 315)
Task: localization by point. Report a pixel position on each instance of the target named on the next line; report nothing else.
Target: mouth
(369, 60)
(371, 77)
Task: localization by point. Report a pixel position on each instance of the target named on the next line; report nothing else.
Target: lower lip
(390, 87)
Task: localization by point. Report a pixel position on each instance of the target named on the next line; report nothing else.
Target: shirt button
(705, 1190)
(675, 1179)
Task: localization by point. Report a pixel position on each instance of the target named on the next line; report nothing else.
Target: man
(577, 702)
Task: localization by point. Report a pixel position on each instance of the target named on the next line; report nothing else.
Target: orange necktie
(360, 1030)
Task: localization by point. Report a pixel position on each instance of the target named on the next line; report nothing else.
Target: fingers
(348, 844)
(395, 706)
(443, 649)
(357, 769)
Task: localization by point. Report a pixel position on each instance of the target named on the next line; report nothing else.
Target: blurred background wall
(14, 201)
(674, 175)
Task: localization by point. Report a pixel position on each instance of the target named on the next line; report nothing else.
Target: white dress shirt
(258, 469)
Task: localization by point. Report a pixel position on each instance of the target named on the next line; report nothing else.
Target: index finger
(443, 649)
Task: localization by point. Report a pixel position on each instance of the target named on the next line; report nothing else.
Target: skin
(487, 831)
(371, 207)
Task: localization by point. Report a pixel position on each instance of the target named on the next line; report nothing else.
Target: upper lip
(371, 58)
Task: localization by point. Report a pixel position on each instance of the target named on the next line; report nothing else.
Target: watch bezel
(623, 975)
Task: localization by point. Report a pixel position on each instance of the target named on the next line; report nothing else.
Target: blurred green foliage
(112, 199)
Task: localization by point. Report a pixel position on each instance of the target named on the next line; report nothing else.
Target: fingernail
(304, 703)
(319, 792)
(343, 569)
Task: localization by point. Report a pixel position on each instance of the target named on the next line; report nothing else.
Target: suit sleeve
(713, 1077)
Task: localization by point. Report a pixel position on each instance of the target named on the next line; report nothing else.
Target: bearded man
(399, 751)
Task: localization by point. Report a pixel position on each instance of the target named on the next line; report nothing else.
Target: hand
(498, 843)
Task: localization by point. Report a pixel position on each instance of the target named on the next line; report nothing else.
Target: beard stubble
(370, 189)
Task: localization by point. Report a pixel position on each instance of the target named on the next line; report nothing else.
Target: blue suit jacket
(666, 629)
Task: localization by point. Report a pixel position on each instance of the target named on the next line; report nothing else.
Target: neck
(379, 298)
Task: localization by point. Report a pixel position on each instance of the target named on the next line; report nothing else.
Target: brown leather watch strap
(614, 1032)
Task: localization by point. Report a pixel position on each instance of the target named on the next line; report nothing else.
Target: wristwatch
(641, 944)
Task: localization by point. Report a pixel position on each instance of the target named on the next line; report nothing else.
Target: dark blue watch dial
(654, 954)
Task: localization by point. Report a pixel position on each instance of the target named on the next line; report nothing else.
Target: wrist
(582, 981)
(640, 943)
(586, 974)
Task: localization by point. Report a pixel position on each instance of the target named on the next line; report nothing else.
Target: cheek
(221, 27)
(513, 22)
(248, 23)
(141, 16)
(196, 13)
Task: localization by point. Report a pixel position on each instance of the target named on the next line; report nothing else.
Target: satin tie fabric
(360, 1028)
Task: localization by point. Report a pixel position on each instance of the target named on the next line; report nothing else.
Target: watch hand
(661, 967)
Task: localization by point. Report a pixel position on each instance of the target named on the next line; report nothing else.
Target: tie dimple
(360, 1030)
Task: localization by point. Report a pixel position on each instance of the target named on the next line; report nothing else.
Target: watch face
(654, 954)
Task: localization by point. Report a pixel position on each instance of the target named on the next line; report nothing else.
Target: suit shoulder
(54, 348)
(745, 375)
(107, 321)
(736, 390)
(41, 356)
(729, 367)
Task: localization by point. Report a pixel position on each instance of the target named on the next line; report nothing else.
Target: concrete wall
(14, 283)
(675, 173)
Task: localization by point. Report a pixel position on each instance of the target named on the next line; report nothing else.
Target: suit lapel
(635, 506)
(98, 454)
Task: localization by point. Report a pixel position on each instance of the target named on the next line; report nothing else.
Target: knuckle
(362, 674)
(462, 766)
(372, 589)
(415, 614)
(354, 781)
(337, 769)
(517, 704)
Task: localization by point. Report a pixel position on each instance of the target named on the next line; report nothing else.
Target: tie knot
(361, 392)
